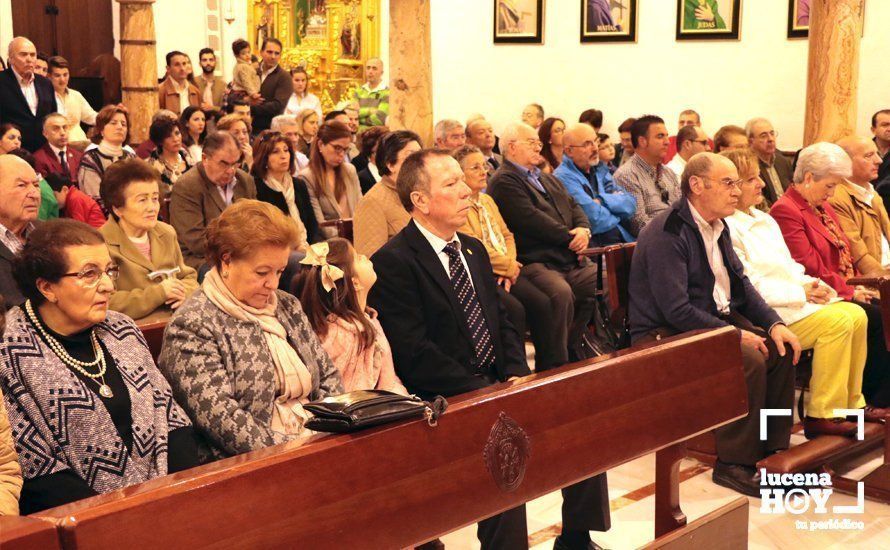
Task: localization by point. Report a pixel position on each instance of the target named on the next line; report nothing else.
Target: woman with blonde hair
(307, 122)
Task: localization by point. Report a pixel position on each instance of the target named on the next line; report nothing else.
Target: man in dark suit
(775, 168)
(551, 230)
(437, 300)
(25, 97)
(276, 87)
(55, 157)
(18, 213)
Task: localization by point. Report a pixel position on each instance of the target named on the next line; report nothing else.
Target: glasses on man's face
(90, 275)
(226, 165)
(729, 183)
(533, 143)
(586, 145)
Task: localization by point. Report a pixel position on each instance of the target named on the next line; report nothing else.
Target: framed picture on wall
(798, 18)
(518, 21)
(708, 19)
(608, 20)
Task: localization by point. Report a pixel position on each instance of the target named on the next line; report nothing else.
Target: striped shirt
(654, 189)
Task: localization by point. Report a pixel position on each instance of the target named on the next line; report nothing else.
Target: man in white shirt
(25, 96)
(691, 140)
(861, 210)
(176, 93)
(71, 103)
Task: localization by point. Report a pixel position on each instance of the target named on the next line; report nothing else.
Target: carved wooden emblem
(506, 453)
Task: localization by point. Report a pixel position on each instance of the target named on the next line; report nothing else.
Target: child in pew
(333, 290)
(73, 203)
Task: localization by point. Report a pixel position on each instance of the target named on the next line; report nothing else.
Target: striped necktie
(469, 302)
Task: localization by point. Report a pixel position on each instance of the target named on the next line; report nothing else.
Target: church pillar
(410, 70)
(139, 70)
(833, 69)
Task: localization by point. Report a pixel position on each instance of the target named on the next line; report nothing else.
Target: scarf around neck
(286, 188)
(294, 379)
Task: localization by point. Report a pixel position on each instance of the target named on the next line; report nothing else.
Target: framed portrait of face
(518, 21)
(608, 20)
(798, 18)
(708, 19)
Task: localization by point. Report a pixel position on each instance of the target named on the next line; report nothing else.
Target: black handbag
(361, 409)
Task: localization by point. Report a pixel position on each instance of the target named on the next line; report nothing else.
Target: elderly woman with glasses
(334, 189)
(91, 413)
(814, 236)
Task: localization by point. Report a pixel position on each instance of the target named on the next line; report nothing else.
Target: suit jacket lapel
(17, 90)
(213, 190)
(427, 258)
(561, 207)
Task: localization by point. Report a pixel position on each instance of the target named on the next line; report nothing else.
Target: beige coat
(135, 295)
(10, 471)
(864, 225)
(194, 203)
(168, 97)
(325, 206)
(503, 265)
(378, 217)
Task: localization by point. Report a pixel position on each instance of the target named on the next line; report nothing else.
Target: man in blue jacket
(590, 183)
(686, 276)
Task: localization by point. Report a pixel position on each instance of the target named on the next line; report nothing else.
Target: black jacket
(424, 323)
(301, 197)
(276, 91)
(14, 108)
(541, 225)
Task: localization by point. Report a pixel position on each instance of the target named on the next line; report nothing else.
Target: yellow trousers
(837, 334)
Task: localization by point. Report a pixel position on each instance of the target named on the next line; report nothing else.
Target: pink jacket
(372, 368)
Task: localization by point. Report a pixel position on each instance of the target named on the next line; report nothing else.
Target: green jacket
(49, 206)
(691, 23)
(373, 106)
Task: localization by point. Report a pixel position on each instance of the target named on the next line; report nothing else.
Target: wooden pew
(343, 225)
(882, 285)
(400, 485)
(725, 528)
(152, 328)
(27, 533)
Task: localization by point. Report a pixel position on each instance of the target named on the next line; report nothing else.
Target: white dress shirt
(29, 90)
(759, 244)
(438, 245)
(677, 165)
(296, 104)
(710, 233)
(867, 195)
(76, 109)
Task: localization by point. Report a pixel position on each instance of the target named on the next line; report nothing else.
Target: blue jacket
(672, 284)
(616, 204)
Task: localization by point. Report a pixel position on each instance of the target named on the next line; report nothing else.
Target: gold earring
(225, 274)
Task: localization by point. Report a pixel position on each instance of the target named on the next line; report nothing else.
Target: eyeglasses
(728, 183)
(89, 276)
(533, 143)
(700, 141)
(339, 149)
(268, 134)
(476, 168)
(585, 145)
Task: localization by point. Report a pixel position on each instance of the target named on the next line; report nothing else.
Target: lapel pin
(470, 252)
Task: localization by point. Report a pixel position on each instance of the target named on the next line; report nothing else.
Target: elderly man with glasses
(686, 276)
(775, 168)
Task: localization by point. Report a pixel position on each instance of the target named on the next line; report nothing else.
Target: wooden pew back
(26, 533)
(403, 484)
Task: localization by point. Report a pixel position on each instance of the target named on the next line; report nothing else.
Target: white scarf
(114, 151)
(286, 188)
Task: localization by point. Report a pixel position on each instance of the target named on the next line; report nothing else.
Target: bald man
(373, 96)
(25, 96)
(605, 204)
(20, 189)
(686, 276)
(861, 210)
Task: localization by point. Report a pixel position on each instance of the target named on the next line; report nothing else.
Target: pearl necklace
(65, 357)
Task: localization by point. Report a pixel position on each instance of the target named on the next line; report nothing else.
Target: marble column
(833, 69)
(410, 70)
(139, 70)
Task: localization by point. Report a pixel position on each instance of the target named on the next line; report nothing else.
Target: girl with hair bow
(333, 290)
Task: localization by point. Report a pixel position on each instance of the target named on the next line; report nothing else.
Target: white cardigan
(780, 280)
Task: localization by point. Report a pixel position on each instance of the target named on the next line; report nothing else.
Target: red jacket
(809, 241)
(46, 162)
(81, 207)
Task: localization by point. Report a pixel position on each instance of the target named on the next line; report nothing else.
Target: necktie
(469, 302)
(494, 163)
(64, 161)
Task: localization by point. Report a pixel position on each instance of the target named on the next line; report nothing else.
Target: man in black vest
(25, 96)
(436, 296)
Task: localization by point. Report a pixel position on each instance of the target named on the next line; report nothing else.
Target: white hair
(282, 120)
(444, 126)
(822, 160)
(749, 126)
(513, 133)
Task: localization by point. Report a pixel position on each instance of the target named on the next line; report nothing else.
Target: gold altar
(331, 38)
